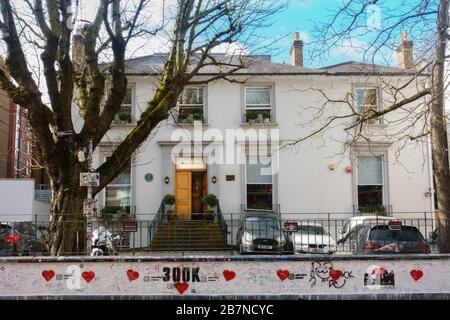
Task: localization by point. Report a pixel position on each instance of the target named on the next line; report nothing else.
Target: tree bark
(438, 130)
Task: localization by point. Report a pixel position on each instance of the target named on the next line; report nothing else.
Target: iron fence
(241, 233)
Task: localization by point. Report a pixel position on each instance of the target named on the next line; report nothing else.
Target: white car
(312, 238)
(356, 223)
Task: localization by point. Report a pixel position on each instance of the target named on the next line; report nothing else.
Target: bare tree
(198, 27)
(422, 112)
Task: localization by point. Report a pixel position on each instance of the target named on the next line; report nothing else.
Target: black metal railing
(285, 233)
(222, 223)
(155, 224)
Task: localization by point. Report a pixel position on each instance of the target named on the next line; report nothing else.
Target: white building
(326, 174)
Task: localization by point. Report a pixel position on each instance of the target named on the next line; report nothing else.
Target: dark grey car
(384, 239)
(260, 233)
(20, 238)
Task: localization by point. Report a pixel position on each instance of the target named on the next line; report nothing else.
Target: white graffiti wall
(189, 278)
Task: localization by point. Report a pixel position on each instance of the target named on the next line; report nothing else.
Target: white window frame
(132, 87)
(383, 180)
(266, 107)
(105, 157)
(194, 105)
(246, 183)
(357, 87)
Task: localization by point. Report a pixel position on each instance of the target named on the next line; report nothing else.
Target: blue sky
(301, 15)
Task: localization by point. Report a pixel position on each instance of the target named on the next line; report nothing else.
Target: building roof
(262, 65)
(360, 68)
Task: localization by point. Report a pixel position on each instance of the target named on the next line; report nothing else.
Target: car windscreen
(311, 230)
(260, 223)
(383, 234)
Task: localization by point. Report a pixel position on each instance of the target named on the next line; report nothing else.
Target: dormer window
(367, 101)
(191, 105)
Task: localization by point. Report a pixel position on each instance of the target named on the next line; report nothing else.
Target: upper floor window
(191, 105)
(367, 100)
(258, 105)
(124, 116)
(370, 181)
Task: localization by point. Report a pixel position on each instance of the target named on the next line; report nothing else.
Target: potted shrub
(211, 201)
(112, 212)
(251, 116)
(372, 208)
(169, 201)
(124, 116)
(198, 117)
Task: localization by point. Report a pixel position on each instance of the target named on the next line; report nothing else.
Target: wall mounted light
(167, 180)
(214, 179)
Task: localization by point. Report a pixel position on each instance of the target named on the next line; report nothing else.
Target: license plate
(260, 246)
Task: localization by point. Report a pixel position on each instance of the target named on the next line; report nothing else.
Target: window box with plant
(258, 105)
(124, 116)
(115, 212)
(191, 106)
(258, 116)
(373, 209)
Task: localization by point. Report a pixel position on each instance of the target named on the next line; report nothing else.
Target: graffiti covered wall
(223, 276)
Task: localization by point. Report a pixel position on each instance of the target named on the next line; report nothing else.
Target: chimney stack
(78, 50)
(297, 51)
(405, 58)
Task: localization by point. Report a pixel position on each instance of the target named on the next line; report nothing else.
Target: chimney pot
(296, 51)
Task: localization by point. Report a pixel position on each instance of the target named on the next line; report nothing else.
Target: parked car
(259, 233)
(354, 224)
(391, 238)
(20, 238)
(312, 238)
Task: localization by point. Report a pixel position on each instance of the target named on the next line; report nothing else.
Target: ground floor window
(118, 193)
(370, 181)
(259, 184)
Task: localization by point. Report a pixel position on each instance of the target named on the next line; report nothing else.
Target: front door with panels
(183, 194)
(198, 192)
(190, 188)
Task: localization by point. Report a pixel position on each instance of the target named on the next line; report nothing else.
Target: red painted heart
(416, 274)
(283, 274)
(48, 274)
(335, 274)
(88, 276)
(181, 287)
(132, 275)
(229, 275)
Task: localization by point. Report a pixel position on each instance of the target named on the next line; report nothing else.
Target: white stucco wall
(16, 199)
(304, 183)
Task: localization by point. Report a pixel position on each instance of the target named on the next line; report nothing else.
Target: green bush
(251, 115)
(211, 200)
(124, 116)
(372, 208)
(169, 199)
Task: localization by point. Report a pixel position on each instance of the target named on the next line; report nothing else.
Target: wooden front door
(198, 192)
(183, 195)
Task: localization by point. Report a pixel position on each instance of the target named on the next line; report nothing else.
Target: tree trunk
(67, 228)
(67, 225)
(438, 128)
